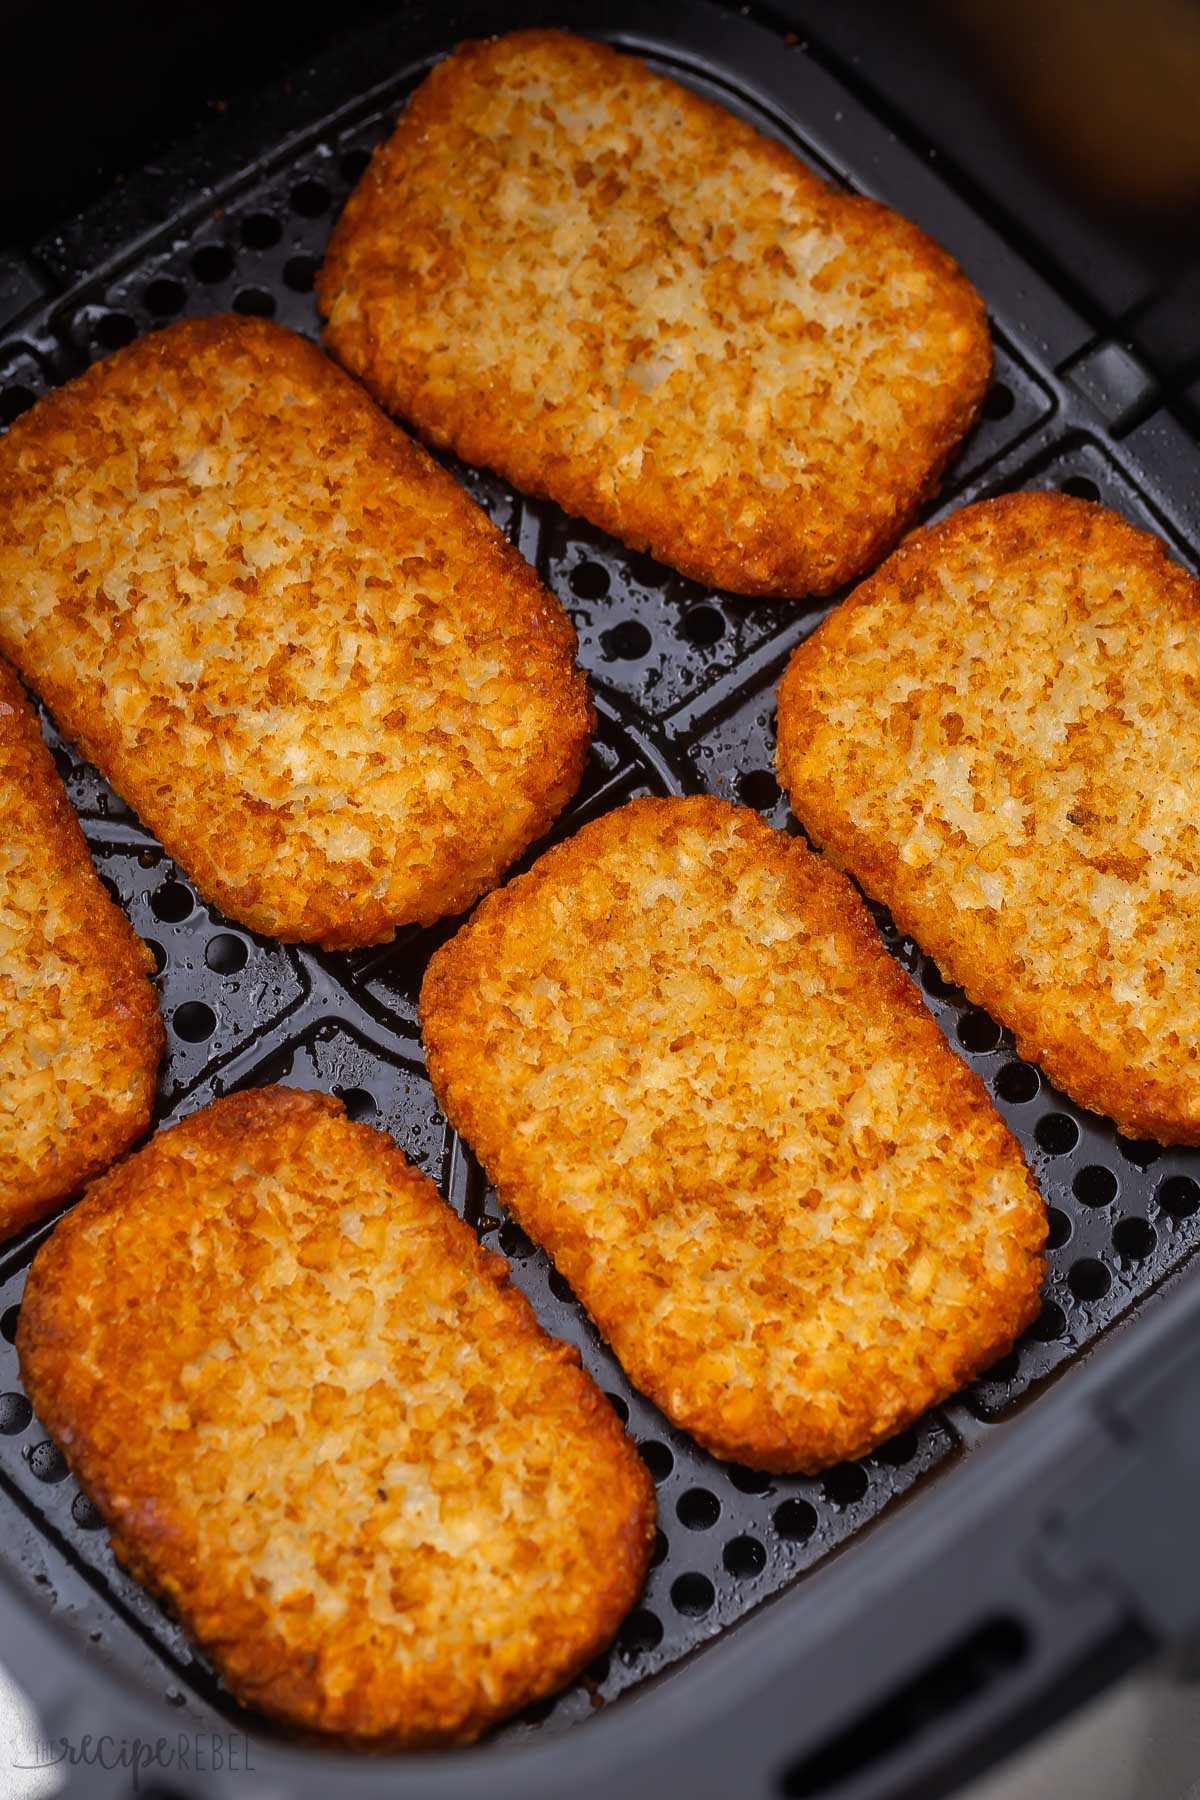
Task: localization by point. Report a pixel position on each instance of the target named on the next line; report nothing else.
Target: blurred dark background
(1076, 121)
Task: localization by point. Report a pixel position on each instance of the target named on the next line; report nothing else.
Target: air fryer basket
(1006, 1582)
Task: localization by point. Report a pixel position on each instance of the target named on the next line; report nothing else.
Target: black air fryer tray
(979, 1572)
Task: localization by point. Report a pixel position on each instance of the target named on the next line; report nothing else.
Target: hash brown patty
(623, 298)
(998, 736)
(80, 1033)
(326, 1430)
(696, 1077)
(291, 642)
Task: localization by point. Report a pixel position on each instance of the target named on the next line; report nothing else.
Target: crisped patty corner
(80, 1034)
(610, 289)
(296, 647)
(698, 1080)
(998, 735)
(326, 1430)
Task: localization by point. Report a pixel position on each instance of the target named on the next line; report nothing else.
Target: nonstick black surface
(685, 680)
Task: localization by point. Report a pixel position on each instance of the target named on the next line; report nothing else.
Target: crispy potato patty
(291, 642)
(326, 1430)
(624, 298)
(999, 736)
(80, 1035)
(697, 1078)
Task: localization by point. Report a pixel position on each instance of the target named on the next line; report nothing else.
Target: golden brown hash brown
(291, 642)
(80, 1035)
(622, 297)
(326, 1430)
(998, 735)
(698, 1080)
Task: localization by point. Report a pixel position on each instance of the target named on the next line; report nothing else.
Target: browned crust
(428, 225)
(552, 1023)
(291, 642)
(517, 1521)
(1033, 550)
(80, 1033)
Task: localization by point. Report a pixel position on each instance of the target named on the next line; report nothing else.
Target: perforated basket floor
(684, 679)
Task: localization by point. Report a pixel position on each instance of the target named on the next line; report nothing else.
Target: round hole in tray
(619, 1407)
(1058, 1227)
(172, 902)
(1095, 1185)
(254, 303)
(698, 1509)
(8, 1323)
(703, 625)
(111, 889)
(758, 788)
(645, 571)
(1004, 1371)
(15, 1414)
(1089, 1279)
(999, 402)
(212, 263)
(226, 954)
(193, 1022)
(1081, 487)
(165, 296)
(310, 198)
(935, 983)
(158, 953)
(661, 1546)
(1018, 1082)
(261, 230)
(85, 1514)
(795, 1520)
(898, 1450)
(560, 1287)
(47, 1462)
(845, 1484)
(692, 1595)
(642, 1631)
(358, 1102)
(1134, 1239)
(113, 330)
(1178, 1196)
(626, 642)
(657, 1458)
(744, 1557)
(748, 1481)
(1056, 1133)
(1050, 1323)
(589, 580)
(14, 401)
(1141, 1152)
(300, 273)
(353, 164)
(513, 1240)
(977, 1032)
